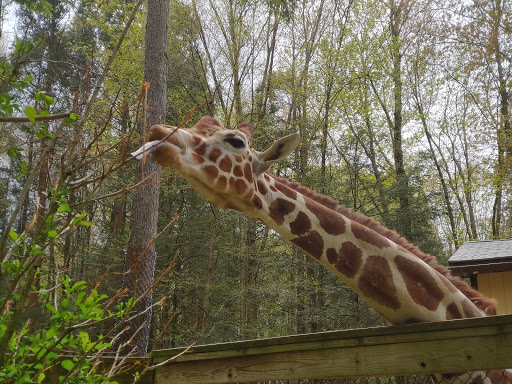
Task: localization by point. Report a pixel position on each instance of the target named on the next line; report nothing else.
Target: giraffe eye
(235, 142)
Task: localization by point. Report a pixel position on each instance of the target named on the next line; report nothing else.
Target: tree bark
(396, 19)
(141, 254)
(504, 136)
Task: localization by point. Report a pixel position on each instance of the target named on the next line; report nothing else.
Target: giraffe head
(219, 163)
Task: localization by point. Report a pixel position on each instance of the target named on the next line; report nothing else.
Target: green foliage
(54, 327)
(30, 350)
(70, 315)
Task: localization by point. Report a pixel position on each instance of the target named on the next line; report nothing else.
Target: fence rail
(414, 349)
(452, 346)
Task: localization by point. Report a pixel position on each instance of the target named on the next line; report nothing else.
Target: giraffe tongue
(146, 148)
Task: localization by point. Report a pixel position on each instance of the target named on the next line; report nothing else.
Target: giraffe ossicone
(399, 281)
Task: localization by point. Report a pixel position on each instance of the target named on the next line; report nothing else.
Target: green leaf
(43, 132)
(52, 234)
(51, 308)
(67, 364)
(79, 285)
(84, 338)
(64, 208)
(48, 100)
(41, 377)
(15, 151)
(80, 297)
(2, 330)
(85, 223)
(41, 353)
(13, 235)
(51, 333)
(78, 218)
(36, 250)
(31, 114)
(39, 135)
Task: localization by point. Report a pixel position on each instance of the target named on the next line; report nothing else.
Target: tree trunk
(209, 272)
(141, 254)
(504, 137)
(396, 19)
(504, 131)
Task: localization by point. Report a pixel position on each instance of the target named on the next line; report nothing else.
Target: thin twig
(170, 360)
(20, 119)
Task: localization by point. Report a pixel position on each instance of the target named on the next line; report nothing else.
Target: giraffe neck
(393, 280)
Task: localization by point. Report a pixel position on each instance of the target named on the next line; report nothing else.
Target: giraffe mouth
(161, 135)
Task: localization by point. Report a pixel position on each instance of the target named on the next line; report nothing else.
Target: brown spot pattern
(215, 153)
(478, 379)
(237, 171)
(266, 176)
(262, 188)
(421, 285)
(376, 282)
(287, 191)
(469, 308)
(347, 260)
(197, 158)
(452, 312)
(332, 223)
(257, 202)
(312, 243)
(201, 150)
(211, 171)
(248, 172)
(332, 255)
(238, 158)
(301, 224)
(240, 186)
(196, 140)
(368, 235)
(499, 376)
(279, 209)
(222, 182)
(225, 164)
(274, 189)
(232, 186)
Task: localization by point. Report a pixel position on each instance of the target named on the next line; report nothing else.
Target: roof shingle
(482, 252)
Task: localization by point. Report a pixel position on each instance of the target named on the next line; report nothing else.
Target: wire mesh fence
(496, 376)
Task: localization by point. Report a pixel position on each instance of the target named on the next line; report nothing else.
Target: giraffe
(400, 282)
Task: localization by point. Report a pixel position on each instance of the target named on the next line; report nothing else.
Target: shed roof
(482, 257)
(479, 252)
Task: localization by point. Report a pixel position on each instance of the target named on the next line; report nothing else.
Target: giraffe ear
(278, 151)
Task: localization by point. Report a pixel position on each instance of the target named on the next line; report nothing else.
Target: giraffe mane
(486, 304)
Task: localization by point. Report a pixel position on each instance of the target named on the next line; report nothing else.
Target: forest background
(403, 107)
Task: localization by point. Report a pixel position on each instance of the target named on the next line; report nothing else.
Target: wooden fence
(452, 346)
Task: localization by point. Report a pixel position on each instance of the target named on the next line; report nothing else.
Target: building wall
(497, 285)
